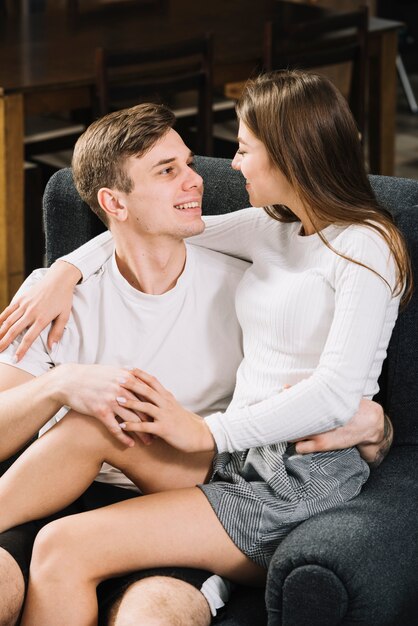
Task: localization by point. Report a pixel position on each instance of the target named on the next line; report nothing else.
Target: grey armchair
(357, 563)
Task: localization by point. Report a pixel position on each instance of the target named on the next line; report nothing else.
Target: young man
(157, 304)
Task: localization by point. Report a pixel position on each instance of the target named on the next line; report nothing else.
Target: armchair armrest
(357, 563)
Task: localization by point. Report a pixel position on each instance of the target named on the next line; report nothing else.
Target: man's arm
(27, 403)
(370, 430)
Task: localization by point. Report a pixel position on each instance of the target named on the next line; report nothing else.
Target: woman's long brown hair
(311, 137)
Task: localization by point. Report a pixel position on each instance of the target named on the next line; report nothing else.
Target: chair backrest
(124, 77)
(80, 7)
(69, 223)
(333, 39)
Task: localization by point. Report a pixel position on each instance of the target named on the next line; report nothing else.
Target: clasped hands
(129, 401)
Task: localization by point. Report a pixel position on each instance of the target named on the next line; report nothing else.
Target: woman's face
(265, 184)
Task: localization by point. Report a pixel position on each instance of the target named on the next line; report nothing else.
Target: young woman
(317, 308)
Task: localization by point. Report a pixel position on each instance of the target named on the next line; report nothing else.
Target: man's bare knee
(161, 601)
(12, 589)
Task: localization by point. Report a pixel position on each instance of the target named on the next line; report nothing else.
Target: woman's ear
(113, 204)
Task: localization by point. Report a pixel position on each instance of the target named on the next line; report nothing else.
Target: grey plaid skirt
(259, 495)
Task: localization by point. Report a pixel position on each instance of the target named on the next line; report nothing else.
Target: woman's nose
(236, 162)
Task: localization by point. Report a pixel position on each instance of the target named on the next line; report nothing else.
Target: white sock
(216, 591)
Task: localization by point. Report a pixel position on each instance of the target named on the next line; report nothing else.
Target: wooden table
(46, 64)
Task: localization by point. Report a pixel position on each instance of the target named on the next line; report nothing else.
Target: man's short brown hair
(101, 151)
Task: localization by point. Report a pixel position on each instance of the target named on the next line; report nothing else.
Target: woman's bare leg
(72, 555)
(59, 467)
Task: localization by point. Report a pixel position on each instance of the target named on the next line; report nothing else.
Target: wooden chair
(325, 41)
(79, 8)
(161, 74)
(402, 11)
(48, 145)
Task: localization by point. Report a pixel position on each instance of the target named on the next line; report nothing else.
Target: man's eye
(192, 165)
(166, 170)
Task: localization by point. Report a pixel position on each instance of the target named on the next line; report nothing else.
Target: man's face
(167, 196)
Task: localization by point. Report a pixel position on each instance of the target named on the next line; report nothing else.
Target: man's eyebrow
(164, 162)
(170, 160)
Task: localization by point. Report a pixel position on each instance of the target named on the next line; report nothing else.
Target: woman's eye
(240, 152)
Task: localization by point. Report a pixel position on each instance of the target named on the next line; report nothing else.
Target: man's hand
(98, 390)
(370, 430)
(374, 453)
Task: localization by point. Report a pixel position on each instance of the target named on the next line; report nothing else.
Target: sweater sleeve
(232, 233)
(364, 315)
(89, 257)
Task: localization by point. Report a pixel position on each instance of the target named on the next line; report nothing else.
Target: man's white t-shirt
(189, 337)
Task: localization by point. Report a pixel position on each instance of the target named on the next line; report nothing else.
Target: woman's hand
(50, 300)
(180, 428)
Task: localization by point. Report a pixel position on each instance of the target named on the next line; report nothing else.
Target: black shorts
(19, 542)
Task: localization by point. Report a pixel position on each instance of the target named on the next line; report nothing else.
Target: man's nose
(193, 179)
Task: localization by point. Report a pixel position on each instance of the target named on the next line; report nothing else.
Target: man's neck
(152, 269)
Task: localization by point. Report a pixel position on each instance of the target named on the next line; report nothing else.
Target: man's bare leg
(58, 468)
(12, 589)
(161, 601)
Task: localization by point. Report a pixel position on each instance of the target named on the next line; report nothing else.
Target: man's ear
(113, 203)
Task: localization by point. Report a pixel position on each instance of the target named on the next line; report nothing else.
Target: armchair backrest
(69, 223)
